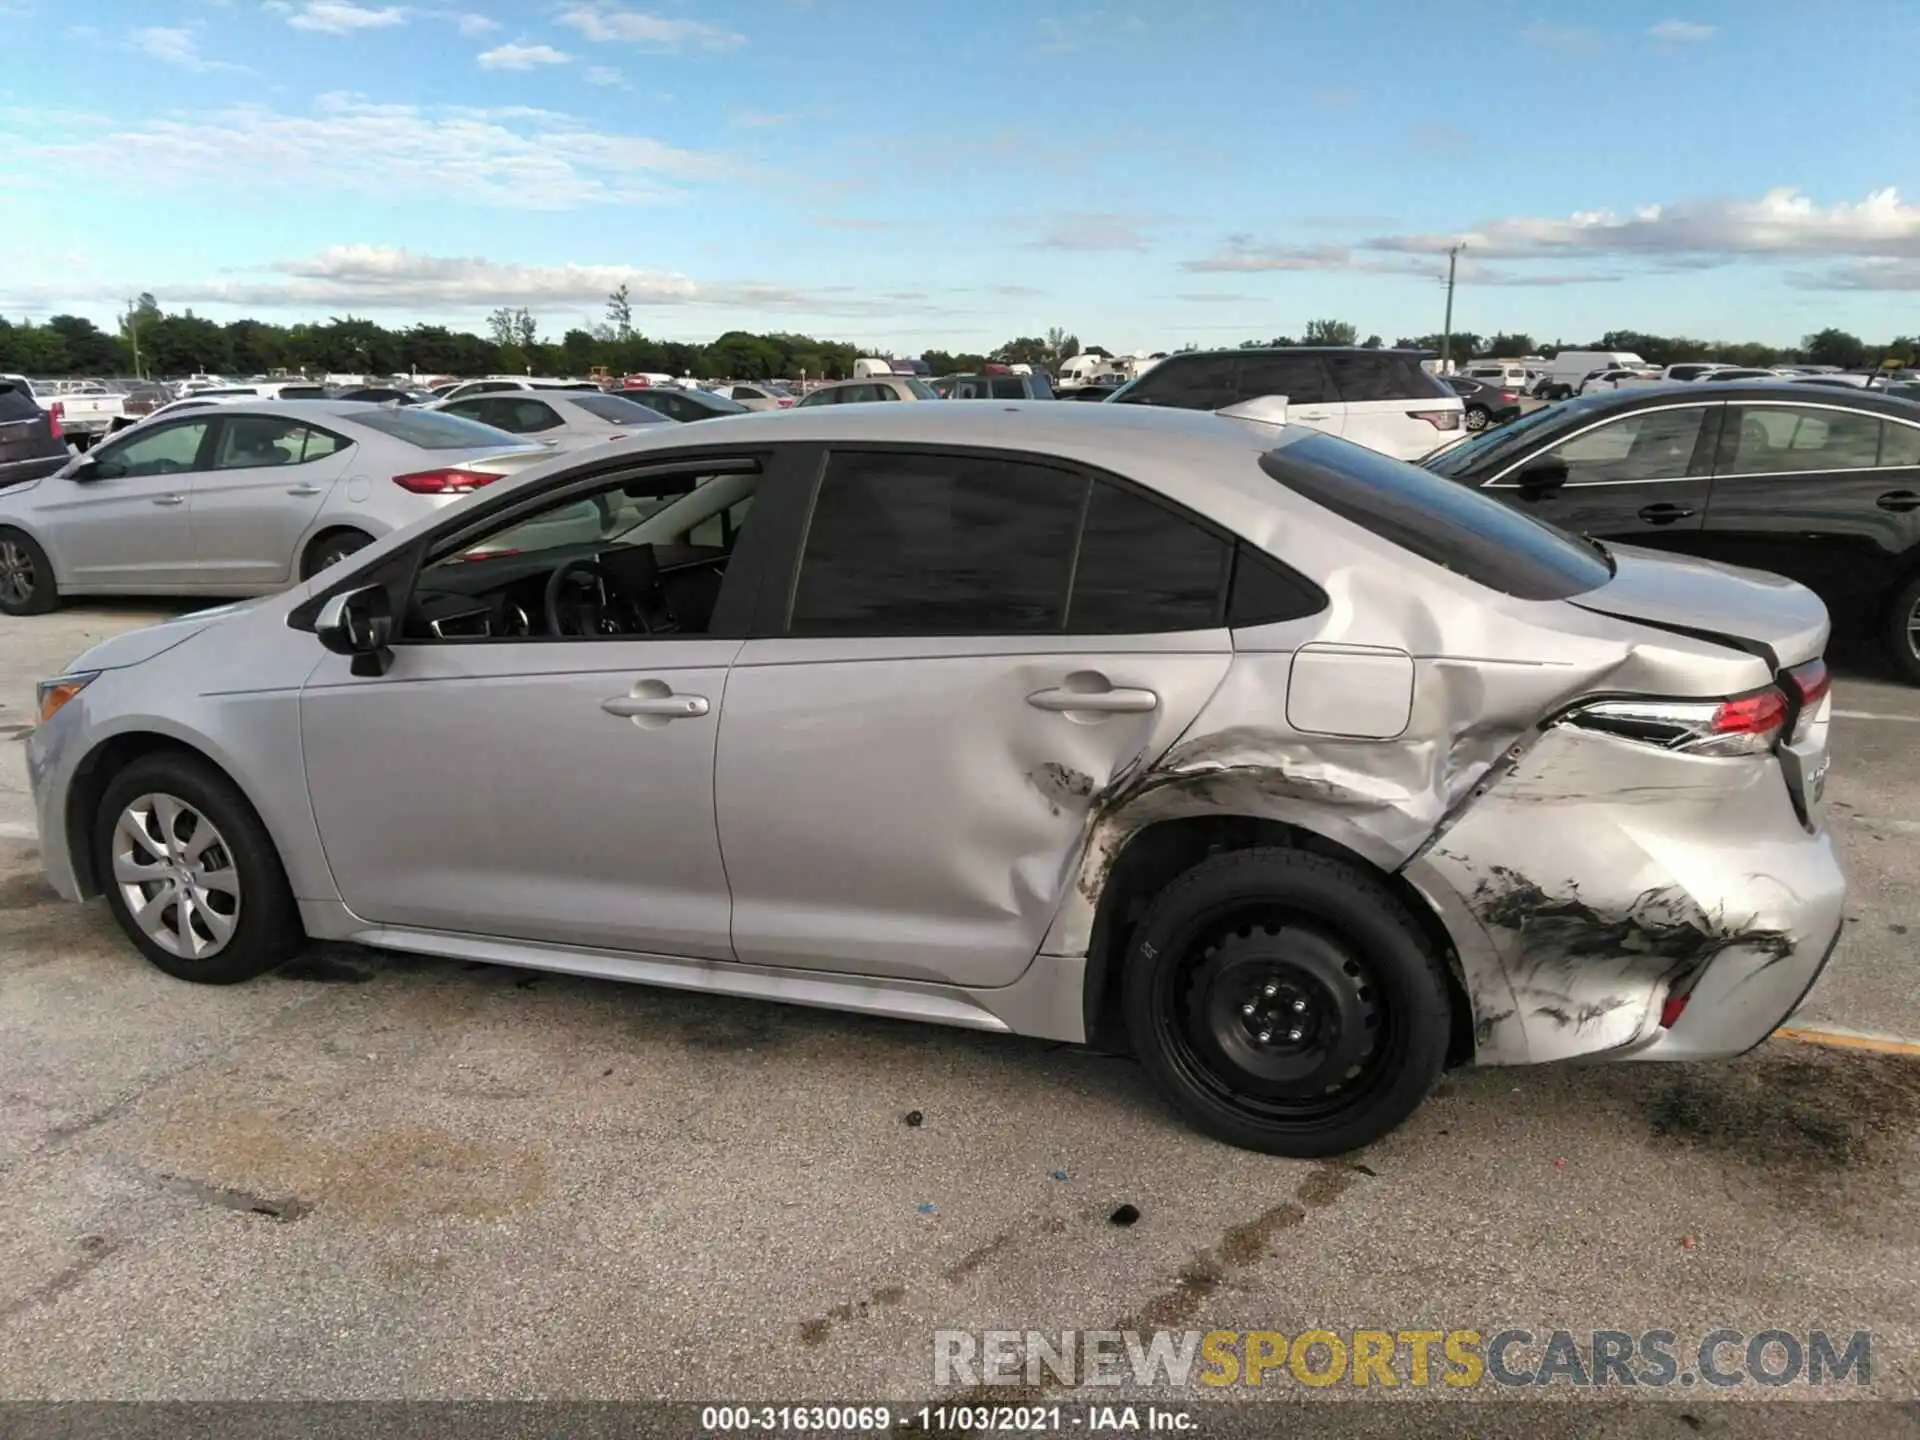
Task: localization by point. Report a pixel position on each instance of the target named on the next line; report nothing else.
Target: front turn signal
(52, 694)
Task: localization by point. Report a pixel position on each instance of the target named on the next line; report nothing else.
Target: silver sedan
(1302, 771)
(237, 499)
(557, 419)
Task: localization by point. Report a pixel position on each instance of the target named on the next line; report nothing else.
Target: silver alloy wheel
(17, 577)
(1477, 419)
(1913, 629)
(177, 876)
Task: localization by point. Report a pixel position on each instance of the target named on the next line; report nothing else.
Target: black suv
(30, 442)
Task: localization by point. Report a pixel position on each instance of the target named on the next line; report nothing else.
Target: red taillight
(1508, 396)
(1438, 419)
(1675, 1007)
(57, 413)
(450, 481)
(1812, 681)
(1760, 713)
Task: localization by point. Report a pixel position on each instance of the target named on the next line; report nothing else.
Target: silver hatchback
(1302, 771)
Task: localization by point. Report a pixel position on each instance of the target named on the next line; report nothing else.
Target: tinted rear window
(433, 430)
(1381, 375)
(618, 411)
(1438, 520)
(17, 405)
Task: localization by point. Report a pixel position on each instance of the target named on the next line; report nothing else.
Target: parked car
(755, 397)
(493, 384)
(85, 409)
(1618, 378)
(239, 499)
(873, 388)
(1381, 399)
(1693, 369)
(685, 405)
(1034, 385)
(1502, 374)
(1485, 404)
(1093, 394)
(555, 419)
(1301, 851)
(388, 395)
(31, 441)
(1734, 373)
(1807, 482)
(199, 400)
(1569, 367)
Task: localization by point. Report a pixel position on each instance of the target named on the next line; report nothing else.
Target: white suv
(1381, 399)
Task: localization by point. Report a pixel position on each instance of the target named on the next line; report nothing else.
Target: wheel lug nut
(1265, 1036)
(1299, 1007)
(1248, 1008)
(1271, 990)
(1295, 1033)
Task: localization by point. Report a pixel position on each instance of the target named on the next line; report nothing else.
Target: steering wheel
(586, 617)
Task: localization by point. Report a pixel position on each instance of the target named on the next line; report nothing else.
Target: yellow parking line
(1852, 1040)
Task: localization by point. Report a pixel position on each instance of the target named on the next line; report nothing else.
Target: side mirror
(1261, 409)
(84, 469)
(359, 623)
(1541, 475)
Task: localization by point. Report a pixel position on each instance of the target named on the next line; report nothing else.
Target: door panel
(1840, 531)
(248, 519)
(1642, 479)
(127, 525)
(916, 807)
(526, 790)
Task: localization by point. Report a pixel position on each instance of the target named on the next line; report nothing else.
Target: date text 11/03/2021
(946, 1419)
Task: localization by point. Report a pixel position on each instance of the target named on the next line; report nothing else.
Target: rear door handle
(663, 707)
(1106, 702)
(1899, 500)
(1664, 514)
(169, 499)
(303, 490)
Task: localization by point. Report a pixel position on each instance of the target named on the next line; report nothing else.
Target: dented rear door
(973, 648)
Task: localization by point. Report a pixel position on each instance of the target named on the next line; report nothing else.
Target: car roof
(1737, 390)
(1318, 350)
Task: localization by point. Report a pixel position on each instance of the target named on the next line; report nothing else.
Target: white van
(1507, 374)
(1567, 369)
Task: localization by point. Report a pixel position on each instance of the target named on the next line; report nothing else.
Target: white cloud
(522, 57)
(341, 17)
(603, 75)
(604, 22)
(509, 156)
(175, 47)
(1091, 231)
(475, 24)
(1682, 32)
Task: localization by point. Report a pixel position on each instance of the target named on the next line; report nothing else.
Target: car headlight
(52, 694)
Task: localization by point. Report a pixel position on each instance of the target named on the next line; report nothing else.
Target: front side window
(168, 450)
(524, 417)
(617, 410)
(1184, 382)
(1301, 378)
(1646, 445)
(925, 544)
(249, 442)
(1788, 439)
(635, 557)
(1007, 387)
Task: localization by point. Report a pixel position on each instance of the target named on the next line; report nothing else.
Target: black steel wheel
(1287, 1002)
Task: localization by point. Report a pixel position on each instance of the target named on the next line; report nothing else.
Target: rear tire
(1900, 628)
(26, 576)
(1286, 1002)
(1478, 417)
(191, 873)
(329, 548)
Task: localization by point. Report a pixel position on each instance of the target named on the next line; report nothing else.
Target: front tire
(26, 576)
(1901, 631)
(1286, 1002)
(191, 874)
(1478, 417)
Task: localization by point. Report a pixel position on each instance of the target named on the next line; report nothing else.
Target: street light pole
(1446, 329)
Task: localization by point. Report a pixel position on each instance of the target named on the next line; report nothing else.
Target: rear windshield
(616, 410)
(303, 392)
(432, 430)
(1438, 520)
(17, 404)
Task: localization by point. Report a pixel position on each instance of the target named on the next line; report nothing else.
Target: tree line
(169, 343)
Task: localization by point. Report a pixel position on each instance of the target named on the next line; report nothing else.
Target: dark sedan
(684, 405)
(1486, 405)
(1815, 484)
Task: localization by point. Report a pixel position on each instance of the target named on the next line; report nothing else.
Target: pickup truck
(86, 409)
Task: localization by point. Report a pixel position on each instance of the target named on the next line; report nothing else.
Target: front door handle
(660, 707)
(169, 499)
(1106, 702)
(303, 490)
(1899, 500)
(1664, 514)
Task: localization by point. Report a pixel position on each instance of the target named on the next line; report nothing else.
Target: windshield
(618, 410)
(1489, 445)
(435, 430)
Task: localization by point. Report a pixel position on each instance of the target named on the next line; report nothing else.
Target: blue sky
(952, 174)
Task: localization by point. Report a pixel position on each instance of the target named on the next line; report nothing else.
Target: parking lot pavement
(370, 1176)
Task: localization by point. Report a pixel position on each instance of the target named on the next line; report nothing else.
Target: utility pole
(133, 335)
(1446, 328)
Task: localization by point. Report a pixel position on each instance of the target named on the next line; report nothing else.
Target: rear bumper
(1600, 877)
